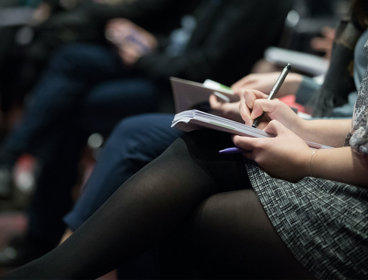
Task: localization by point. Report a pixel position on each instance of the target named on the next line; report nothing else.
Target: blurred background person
(57, 120)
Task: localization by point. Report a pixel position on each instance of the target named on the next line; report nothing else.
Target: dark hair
(360, 12)
(339, 81)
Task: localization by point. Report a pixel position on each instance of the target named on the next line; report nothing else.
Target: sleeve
(307, 90)
(359, 134)
(359, 140)
(227, 46)
(151, 15)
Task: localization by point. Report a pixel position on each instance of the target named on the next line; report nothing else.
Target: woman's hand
(41, 14)
(246, 105)
(253, 104)
(284, 156)
(265, 81)
(229, 110)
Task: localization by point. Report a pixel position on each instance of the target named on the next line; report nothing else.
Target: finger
(244, 111)
(245, 143)
(319, 44)
(215, 103)
(328, 32)
(247, 104)
(264, 106)
(116, 23)
(251, 95)
(249, 98)
(275, 128)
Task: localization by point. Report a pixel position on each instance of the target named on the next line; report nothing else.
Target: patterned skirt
(324, 223)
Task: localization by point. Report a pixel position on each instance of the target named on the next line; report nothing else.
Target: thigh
(87, 62)
(132, 144)
(236, 239)
(109, 102)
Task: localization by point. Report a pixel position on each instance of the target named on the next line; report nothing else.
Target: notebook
(188, 94)
(194, 119)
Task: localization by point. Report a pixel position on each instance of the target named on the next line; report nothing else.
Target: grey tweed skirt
(324, 223)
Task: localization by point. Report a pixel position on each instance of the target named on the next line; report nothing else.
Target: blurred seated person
(138, 140)
(310, 28)
(27, 47)
(279, 208)
(86, 85)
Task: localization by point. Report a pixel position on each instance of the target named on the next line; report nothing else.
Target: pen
(231, 150)
(274, 90)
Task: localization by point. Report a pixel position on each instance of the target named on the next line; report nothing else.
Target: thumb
(215, 104)
(275, 128)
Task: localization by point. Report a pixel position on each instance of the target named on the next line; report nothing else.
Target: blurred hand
(229, 110)
(324, 44)
(131, 40)
(41, 13)
(265, 81)
(284, 156)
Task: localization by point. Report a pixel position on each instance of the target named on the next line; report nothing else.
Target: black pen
(274, 90)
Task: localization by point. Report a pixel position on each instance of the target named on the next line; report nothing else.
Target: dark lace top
(358, 137)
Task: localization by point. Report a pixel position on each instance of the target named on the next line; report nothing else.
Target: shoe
(22, 250)
(6, 186)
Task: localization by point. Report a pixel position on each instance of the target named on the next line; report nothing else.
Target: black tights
(188, 184)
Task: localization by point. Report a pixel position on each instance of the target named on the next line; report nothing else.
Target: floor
(13, 218)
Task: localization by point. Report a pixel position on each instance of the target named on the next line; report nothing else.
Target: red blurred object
(290, 100)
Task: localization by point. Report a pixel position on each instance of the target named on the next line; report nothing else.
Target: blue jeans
(80, 78)
(85, 89)
(134, 142)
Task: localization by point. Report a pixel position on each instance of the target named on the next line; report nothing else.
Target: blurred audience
(28, 45)
(138, 140)
(88, 88)
(190, 188)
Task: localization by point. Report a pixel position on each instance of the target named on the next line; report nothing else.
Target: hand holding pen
(272, 93)
(274, 90)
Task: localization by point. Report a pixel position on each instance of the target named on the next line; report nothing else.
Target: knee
(70, 56)
(130, 127)
(130, 138)
(143, 137)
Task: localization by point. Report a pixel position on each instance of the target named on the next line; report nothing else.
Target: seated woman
(255, 219)
(280, 209)
(138, 140)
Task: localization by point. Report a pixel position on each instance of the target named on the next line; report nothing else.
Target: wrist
(302, 128)
(313, 155)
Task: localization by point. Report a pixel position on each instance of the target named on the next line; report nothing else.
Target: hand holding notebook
(194, 119)
(188, 94)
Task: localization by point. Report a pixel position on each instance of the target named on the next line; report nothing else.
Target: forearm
(339, 164)
(328, 132)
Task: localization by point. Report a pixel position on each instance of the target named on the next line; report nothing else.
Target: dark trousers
(85, 89)
(79, 78)
(134, 142)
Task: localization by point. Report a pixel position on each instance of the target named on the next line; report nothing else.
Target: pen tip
(288, 66)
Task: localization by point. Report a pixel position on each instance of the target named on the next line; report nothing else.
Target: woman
(286, 208)
(306, 210)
